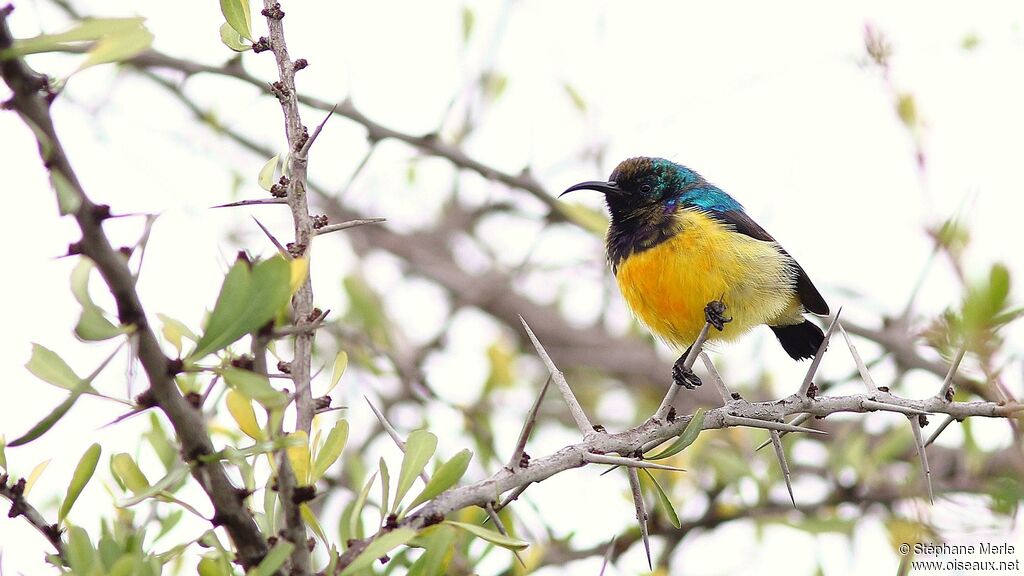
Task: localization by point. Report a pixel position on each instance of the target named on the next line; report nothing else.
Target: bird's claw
(683, 376)
(714, 314)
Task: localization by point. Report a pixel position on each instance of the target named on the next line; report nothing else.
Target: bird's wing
(744, 224)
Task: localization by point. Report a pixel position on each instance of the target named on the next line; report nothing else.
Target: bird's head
(640, 185)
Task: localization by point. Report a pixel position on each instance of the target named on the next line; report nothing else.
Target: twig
(21, 507)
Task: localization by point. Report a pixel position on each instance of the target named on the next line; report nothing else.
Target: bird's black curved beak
(603, 187)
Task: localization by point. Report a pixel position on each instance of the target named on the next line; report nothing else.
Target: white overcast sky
(766, 99)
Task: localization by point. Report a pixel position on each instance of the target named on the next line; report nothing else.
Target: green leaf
(490, 535)
(128, 472)
(687, 437)
(236, 13)
(172, 478)
(275, 558)
(3, 452)
(446, 476)
(340, 365)
(266, 176)
(93, 324)
(379, 547)
(44, 425)
(87, 30)
(586, 217)
(418, 449)
(468, 21)
(437, 544)
(173, 331)
(331, 450)
(83, 473)
(255, 386)
(240, 407)
(46, 365)
(663, 500)
(314, 523)
(357, 509)
(118, 47)
(81, 554)
(248, 299)
(577, 99)
(68, 198)
(232, 39)
(385, 489)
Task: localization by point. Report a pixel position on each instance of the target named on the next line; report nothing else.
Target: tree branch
(31, 100)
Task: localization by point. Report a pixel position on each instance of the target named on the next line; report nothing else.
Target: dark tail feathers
(799, 340)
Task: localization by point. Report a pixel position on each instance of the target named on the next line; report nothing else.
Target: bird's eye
(645, 188)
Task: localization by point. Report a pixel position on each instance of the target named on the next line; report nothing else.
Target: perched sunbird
(683, 251)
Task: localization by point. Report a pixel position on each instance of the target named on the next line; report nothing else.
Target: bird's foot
(714, 314)
(683, 376)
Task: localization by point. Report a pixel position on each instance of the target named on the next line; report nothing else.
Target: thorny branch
(31, 100)
(15, 493)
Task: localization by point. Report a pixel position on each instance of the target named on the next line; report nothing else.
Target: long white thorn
(768, 424)
(641, 512)
(865, 376)
(813, 368)
(781, 454)
(915, 426)
(795, 422)
(947, 383)
(723, 390)
(582, 422)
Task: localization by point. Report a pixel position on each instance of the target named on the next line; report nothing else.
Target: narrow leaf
(438, 543)
(266, 176)
(687, 437)
(129, 473)
(34, 475)
(298, 456)
(380, 546)
(340, 365)
(663, 500)
(418, 449)
(274, 559)
(446, 476)
(118, 47)
(83, 473)
(255, 386)
(490, 535)
(46, 365)
(240, 407)
(355, 520)
(44, 425)
(331, 450)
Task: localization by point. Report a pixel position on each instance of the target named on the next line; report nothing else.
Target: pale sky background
(767, 100)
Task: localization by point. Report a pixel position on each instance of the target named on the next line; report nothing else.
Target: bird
(683, 252)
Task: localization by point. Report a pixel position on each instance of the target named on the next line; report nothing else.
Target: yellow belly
(667, 286)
